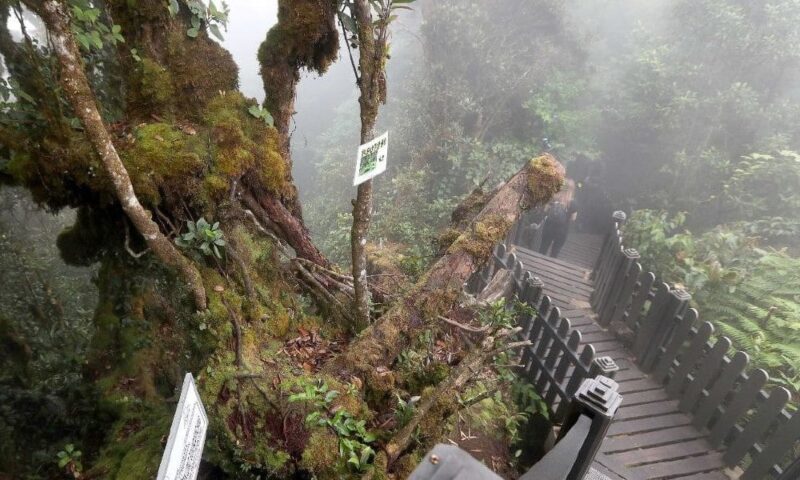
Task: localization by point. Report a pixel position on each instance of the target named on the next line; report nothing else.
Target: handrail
(591, 412)
(675, 348)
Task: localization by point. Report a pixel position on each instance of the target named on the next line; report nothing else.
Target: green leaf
(348, 22)
(84, 41)
(214, 29)
(366, 454)
(92, 14)
(96, 40)
(192, 32)
(331, 395)
(173, 7)
(313, 417)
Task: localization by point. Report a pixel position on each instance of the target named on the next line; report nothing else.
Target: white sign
(371, 160)
(181, 459)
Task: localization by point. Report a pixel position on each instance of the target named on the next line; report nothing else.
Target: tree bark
(78, 93)
(371, 83)
(290, 227)
(304, 37)
(373, 352)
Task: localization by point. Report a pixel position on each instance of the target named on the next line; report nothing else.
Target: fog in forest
(683, 114)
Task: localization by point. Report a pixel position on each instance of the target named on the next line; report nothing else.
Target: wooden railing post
(659, 326)
(752, 426)
(590, 413)
(617, 220)
(604, 366)
(622, 283)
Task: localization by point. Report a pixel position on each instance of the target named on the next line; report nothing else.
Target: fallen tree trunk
(371, 355)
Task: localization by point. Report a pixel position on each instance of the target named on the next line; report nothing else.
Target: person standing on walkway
(561, 212)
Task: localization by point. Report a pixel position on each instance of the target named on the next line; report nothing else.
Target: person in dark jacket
(561, 212)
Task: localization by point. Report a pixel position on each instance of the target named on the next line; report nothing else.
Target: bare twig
(128, 243)
(349, 49)
(237, 330)
(467, 328)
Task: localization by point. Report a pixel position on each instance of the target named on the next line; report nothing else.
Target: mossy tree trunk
(372, 44)
(304, 38)
(188, 148)
(78, 93)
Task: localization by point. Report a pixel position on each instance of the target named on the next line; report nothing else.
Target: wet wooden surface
(650, 438)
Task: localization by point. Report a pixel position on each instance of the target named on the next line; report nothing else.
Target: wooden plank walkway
(649, 438)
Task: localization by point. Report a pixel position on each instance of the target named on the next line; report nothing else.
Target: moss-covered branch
(304, 37)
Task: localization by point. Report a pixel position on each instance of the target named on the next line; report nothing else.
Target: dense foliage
(684, 112)
(749, 292)
(485, 86)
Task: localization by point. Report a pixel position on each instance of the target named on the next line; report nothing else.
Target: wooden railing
(576, 385)
(554, 363)
(710, 380)
(590, 414)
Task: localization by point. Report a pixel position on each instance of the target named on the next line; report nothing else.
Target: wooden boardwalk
(649, 438)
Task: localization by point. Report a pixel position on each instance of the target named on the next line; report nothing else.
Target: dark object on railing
(592, 410)
(590, 414)
(448, 462)
(671, 344)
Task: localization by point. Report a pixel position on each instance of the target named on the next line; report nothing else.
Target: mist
(681, 117)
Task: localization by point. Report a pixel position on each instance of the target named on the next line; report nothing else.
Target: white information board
(181, 459)
(371, 160)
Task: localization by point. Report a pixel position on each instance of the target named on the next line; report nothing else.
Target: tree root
(237, 331)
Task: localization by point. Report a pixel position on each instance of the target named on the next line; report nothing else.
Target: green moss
(305, 36)
(241, 143)
(135, 450)
(545, 178)
(163, 160)
(481, 240)
(431, 425)
(406, 464)
(200, 70)
(62, 171)
(156, 88)
(321, 455)
(416, 380)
